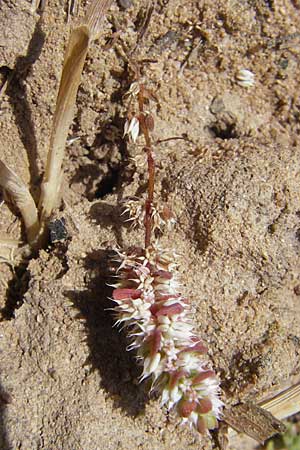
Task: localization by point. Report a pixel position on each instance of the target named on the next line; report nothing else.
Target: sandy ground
(67, 381)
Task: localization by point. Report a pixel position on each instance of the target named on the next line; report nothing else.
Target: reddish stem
(151, 169)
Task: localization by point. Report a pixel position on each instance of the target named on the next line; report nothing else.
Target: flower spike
(159, 325)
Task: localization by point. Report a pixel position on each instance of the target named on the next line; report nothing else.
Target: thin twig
(174, 138)
(146, 21)
(144, 27)
(151, 168)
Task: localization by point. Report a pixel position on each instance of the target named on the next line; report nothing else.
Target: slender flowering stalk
(150, 306)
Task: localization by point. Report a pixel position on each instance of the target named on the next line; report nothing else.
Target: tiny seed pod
(170, 310)
(201, 425)
(186, 408)
(155, 342)
(203, 376)
(175, 377)
(205, 406)
(132, 128)
(149, 121)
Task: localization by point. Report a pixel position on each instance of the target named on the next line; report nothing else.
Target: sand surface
(67, 382)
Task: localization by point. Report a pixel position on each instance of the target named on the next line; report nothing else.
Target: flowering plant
(158, 318)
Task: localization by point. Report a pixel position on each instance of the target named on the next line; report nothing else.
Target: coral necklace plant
(154, 312)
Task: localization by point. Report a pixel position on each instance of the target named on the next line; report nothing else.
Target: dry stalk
(284, 404)
(8, 250)
(281, 406)
(76, 52)
(72, 8)
(151, 166)
(21, 196)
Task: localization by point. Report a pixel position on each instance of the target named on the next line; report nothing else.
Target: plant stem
(149, 201)
(151, 169)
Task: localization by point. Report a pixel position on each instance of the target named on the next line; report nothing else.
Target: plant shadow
(17, 95)
(104, 166)
(108, 216)
(107, 345)
(5, 399)
(16, 289)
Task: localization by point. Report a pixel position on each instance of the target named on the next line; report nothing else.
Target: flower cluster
(132, 126)
(159, 323)
(161, 215)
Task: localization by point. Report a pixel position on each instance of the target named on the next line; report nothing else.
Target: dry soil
(67, 382)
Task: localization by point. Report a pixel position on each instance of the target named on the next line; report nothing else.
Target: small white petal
(154, 363)
(165, 397)
(176, 394)
(126, 127)
(135, 129)
(193, 417)
(134, 89)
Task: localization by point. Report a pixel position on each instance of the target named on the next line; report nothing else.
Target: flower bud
(185, 407)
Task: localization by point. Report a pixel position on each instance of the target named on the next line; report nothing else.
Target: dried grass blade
(74, 60)
(13, 252)
(21, 196)
(284, 404)
(95, 15)
(253, 420)
(70, 79)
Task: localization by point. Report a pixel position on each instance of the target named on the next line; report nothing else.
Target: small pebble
(58, 231)
(125, 4)
(245, 78)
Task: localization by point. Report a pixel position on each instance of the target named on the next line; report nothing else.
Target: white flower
(161, 216)
(132, 128)
(135, 210)
(245, 78)
(133, 90)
